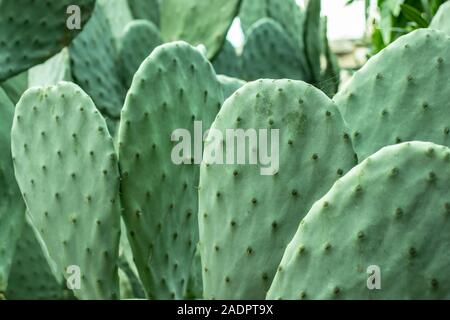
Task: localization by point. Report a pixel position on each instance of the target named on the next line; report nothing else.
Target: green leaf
(414, 15)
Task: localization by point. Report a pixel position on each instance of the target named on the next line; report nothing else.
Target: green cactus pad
(230, 85)
(52, 71)
(441, 20)
(180, 21)
(126, 290)
(16, 86)
(31, 277)
(118, 14)
(246, 218)
(12, 207)
(312, 38)
(289, 15)
(194, 288)
(330, 77)
(391, 212)
(388, 102)
(227, 62)
(175, 86)
(33, 31)
(145, 9)
(93, 57)
(125, 252)
(130, 286)
(67, 170)
(251, 11)
(126, 263)
(269, 52)
(138, 41)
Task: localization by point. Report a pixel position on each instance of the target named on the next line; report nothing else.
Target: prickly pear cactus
(119, 16)
(31, 277)
(180, 21)
(52, 71)
(130, 286)
(125, 252)
(160, 210)
(244, 209)
(404, 101)
(441, 20)
(93, 57)
(12, 207)
(127, 265)
(145, 9)
(270, 53)
(389, 213)
(330, 76)
(250, 12)
(126, 289)
(312, 38)
(289, 15)
(33, 31)
(227, 62)
(229, 85)
(194, 287)
(138, 41)
(67, 170)
(15, 86)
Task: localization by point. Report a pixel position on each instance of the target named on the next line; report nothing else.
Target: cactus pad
(270, 53)
(12, 208)
(392, 212)
(180, 21)
(67, 170)
(387, 102)
(138, 41)
(33, 31)
(160, 210)
(242, 213)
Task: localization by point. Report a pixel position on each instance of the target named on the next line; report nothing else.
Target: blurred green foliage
(399, 17)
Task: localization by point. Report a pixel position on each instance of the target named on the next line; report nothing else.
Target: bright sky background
(344, 22)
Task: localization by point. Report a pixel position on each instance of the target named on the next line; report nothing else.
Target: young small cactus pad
(32, 31)
(387, 102)
(246, 219)
(269, 52)
(383, 225)
(174, 86)
(138, 41)
(227, 62)
(145, 9)
(12, 208)
(68, 173)
(180, 21)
